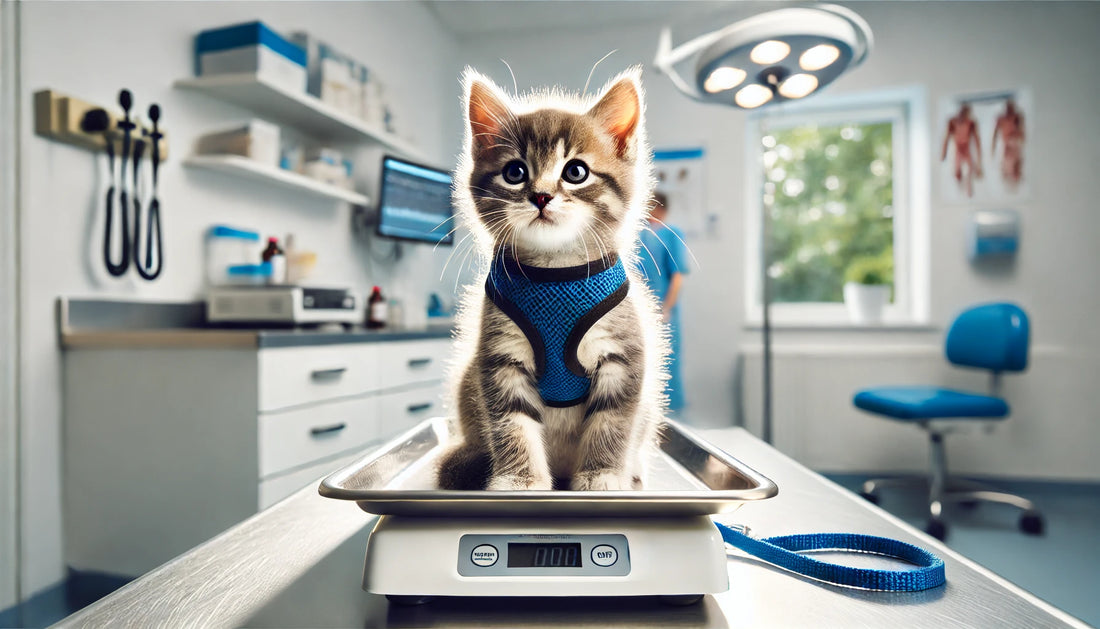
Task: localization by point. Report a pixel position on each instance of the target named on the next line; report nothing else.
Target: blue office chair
(990, 336)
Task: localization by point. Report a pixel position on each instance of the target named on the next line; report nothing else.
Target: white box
(257, 59)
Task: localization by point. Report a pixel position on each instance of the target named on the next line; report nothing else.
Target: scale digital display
(544, 555)
(561, 555)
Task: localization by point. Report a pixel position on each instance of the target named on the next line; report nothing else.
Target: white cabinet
(166, 447)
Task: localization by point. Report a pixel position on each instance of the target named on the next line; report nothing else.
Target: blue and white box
(993, 234)
(251, 48)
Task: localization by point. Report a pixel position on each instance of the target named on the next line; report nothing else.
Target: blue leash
(783, 551)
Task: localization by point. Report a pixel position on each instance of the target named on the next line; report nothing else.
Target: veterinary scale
(658, 541)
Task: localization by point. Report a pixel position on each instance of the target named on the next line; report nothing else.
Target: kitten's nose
(541, 199)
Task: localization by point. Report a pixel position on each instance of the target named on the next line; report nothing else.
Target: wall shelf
(299, 110)
(244, 167)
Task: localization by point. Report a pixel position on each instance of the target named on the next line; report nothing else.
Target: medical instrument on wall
(89, 126)
(127, 126)
(660, 541)
(767, 59)
(98, 120)
(145, 268)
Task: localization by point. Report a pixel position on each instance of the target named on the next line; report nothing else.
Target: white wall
(9, 336)
(948, 48)
(91, 50)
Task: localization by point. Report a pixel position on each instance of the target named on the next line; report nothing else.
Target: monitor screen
(415, 202)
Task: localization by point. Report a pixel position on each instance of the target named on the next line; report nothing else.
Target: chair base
(946, 490)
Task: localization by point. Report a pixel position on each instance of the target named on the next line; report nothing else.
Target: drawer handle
(416, 408)
(327, 430)
(327, 374)
(419, 362)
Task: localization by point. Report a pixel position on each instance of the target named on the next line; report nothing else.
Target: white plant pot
(866, 303)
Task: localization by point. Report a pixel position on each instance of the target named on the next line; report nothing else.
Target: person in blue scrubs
(663, 261)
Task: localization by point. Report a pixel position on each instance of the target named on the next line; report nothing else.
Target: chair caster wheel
(681, 600)
(869, 497)
(1031, 523)
(402, 600)
(937, 529)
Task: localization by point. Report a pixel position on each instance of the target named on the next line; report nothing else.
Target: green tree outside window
(829, 194)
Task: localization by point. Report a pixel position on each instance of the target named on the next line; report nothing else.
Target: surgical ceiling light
(769, 58)
(778, 56)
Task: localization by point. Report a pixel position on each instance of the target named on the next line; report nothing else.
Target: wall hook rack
(59, 117)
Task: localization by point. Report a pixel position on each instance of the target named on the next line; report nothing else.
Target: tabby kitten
(561, 372)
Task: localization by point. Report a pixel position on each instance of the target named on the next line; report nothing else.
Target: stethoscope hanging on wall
(146, 269)
(133, 149)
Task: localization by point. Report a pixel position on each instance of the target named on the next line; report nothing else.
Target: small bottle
(277, 258)
(376, 309)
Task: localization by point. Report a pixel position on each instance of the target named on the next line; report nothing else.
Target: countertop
(106, 324)
(243, 337)
(300, 562)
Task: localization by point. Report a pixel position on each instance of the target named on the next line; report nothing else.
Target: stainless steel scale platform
(656, 541)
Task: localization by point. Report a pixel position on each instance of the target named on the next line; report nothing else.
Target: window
(843, 183)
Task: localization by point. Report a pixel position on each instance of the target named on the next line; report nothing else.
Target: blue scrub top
(662, 254)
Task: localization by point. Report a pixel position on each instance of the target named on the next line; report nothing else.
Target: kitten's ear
(620, 109)
(486, 112)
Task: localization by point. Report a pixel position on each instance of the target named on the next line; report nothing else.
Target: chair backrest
(990, 336)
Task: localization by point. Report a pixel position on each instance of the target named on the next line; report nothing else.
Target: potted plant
(867, 289)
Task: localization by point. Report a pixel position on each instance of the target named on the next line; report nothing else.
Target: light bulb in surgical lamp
(818, 57)
(752, 96)
(724, 78)
(769, 52)
(798, 85)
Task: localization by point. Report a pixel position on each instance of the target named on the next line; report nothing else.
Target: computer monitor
(415, 202)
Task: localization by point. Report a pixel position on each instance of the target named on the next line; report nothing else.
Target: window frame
(906, 109)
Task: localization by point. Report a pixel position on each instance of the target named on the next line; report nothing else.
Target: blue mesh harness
(555, 308)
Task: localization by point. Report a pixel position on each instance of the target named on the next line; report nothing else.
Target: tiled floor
(1060, 566)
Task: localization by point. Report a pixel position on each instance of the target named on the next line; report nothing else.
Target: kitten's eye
(575, 171)
(514, 172)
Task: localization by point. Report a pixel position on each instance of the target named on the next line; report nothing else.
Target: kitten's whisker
(509, 142)
(515, 87)
(651, 257)
(587, 256)
(590, 72)
(686, 246)
(458, 275)
(453, 252)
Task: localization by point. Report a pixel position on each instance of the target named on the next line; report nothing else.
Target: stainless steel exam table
(300, 562)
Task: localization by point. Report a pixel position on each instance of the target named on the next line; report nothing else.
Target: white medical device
(657, 541)
(281, 305)
(417, 557)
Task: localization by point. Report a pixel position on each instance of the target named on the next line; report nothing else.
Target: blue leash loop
(783, 551)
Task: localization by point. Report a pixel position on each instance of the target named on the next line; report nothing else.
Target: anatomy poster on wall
(982, 146)
(680, 178)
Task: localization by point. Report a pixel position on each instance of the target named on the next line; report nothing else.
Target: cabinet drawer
(398, 412)
(299, 375)
(293, 438)
(411, 362)
(275, 489)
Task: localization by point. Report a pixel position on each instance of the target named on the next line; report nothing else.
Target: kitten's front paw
(519, 483)
(600, 480)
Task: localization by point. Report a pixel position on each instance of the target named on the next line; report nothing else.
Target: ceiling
(473, 18)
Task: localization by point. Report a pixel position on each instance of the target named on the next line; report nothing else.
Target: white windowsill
(845, 326)
(834, 317)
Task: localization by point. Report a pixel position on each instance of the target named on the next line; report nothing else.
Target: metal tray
(688, 477)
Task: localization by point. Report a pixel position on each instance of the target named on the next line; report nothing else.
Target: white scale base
(410, 558)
